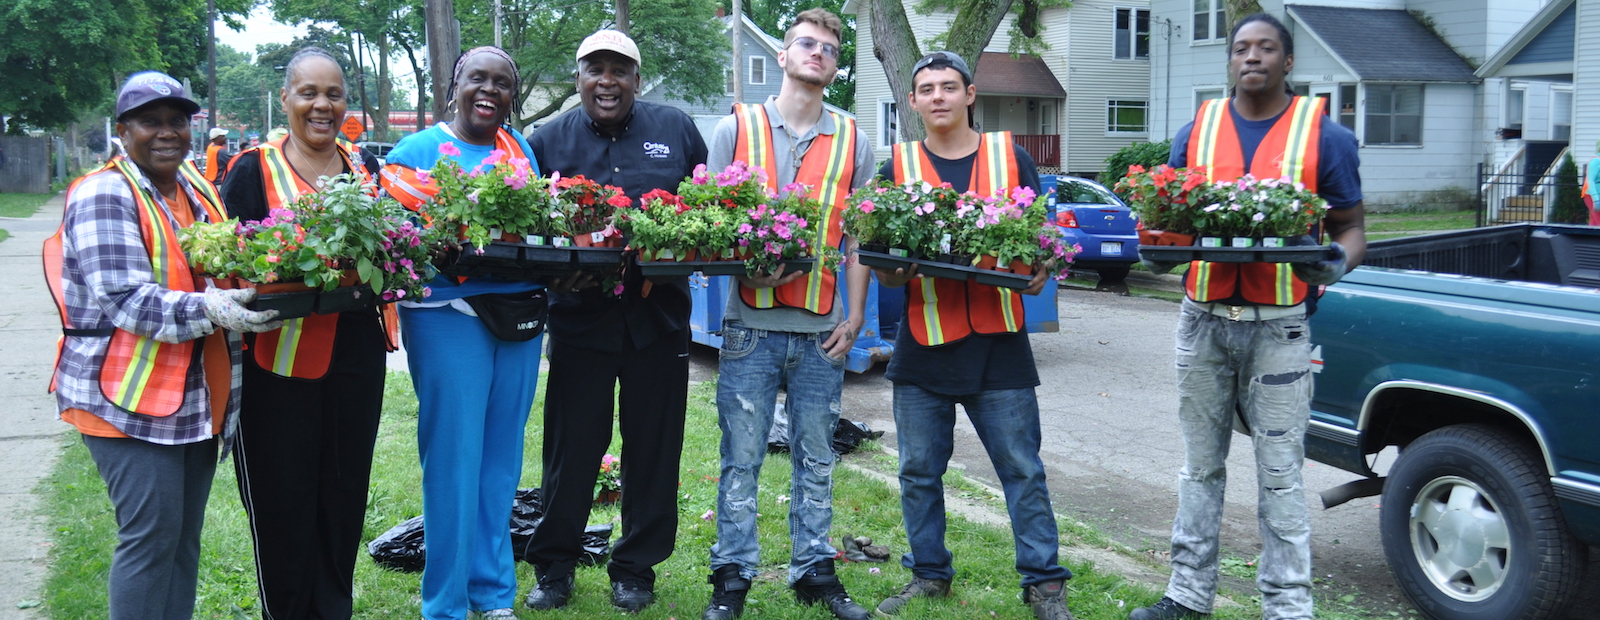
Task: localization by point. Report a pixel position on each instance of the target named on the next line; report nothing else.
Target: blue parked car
(1098, 221)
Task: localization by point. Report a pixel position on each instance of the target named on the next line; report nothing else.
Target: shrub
(1147, 154)
(1569, 208)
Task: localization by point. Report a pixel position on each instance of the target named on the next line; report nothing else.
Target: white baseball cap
(217, 131)
(610, 41)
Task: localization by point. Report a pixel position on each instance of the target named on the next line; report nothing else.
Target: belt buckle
(1234, 312)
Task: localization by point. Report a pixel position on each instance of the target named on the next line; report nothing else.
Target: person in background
(129, 301)
(635, 345)
(956, 345)
(789, 330)
(1591, 186)
(217, 155)
(474, 389)
(1243, 344)
(313, 391)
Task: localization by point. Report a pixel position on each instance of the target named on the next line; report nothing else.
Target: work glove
(1323, 272)
(225, 308)
(1159, 267)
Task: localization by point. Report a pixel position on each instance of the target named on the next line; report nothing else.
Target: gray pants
(1262, 368)
(159, 493)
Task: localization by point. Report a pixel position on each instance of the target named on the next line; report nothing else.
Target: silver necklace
(320, 183)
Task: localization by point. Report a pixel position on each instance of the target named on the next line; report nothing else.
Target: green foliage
(506, 196)
(967, 41)
(1569, 208)
(930, 220)
(1147, 154)
(21, 205)
(773, 16)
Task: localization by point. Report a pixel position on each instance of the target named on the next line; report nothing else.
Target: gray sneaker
(1048, 600)
(930, 588)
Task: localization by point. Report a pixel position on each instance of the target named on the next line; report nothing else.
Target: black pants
(303, 459)
(577, 429)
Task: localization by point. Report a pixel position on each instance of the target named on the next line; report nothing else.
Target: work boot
(631, 596)
(1048, 600)
(728, 590)
(1165, 609)
(930, 588)
(821, 584)
(551, 592)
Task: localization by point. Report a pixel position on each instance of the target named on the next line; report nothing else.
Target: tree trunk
(444, 44)
(361, 79)
(895, 47)
(558, 98)
(974, 25)
(1237, 9)
(623, 20)
(422, 87)
(380, 123)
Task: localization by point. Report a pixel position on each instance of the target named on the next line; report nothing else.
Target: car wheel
(1472, 531)
(1112, 275)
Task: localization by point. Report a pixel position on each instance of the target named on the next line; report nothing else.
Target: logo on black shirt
(657, 150)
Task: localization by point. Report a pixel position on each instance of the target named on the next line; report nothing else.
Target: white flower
(927, 187)
(1213, 207)
(1259, 216)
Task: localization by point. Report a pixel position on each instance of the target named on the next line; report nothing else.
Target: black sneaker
(552, 592)
(1048, 600)
(1165, 609)
(919, 587)
(821, 584)
(728, 590)
(631, 596)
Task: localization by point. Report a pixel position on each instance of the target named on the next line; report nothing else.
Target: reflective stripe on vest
(140, 374)
(406, 185)
(826, 170)
(1290, 150)
(942, 311)
(303, 347)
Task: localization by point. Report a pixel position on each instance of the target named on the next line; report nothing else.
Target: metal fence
(24, 165)
(1512, 197)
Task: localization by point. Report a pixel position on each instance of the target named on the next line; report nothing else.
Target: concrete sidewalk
(30, 436)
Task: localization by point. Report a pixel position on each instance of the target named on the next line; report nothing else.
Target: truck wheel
(1472, 531)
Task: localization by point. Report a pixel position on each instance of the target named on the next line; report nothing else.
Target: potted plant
(608, 485)
(1012, 233)
(702, 221)
(1260, 212)
(1163, 198)
(894, 219)
(785, 232)
(501, 199)
(589, 208)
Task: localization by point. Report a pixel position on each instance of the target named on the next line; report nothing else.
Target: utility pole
(497, 23)
(444, 45)
(622, 17)
(738, 51)
(211, 71)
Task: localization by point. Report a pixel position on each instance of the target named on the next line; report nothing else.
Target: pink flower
(449, 149)
(709, 514)
(867, 206)
(744, 229)
(494, 157)
(700, 177)
(617, 291)
(516, 181)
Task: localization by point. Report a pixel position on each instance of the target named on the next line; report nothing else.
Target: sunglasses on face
(808, 45)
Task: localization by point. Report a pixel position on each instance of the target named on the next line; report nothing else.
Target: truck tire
(1472, 531)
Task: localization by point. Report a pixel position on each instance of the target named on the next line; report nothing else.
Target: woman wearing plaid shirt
(127, 300)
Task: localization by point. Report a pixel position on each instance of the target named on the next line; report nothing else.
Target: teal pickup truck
(1477, 353)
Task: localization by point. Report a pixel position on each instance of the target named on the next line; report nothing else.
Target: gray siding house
(1399, 73)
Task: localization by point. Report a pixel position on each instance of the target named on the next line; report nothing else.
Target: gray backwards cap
(149, 87)
(940, 60)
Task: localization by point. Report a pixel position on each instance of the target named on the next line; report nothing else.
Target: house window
(1516, 107)
(1394, 114)
(727, 81)
(1560, 114)
(1132, 35)
(888, 123)
(1126, 116)
(758, 70)
(1210, 20)
(1206, 94)
(1047, 118)
(1347, 106)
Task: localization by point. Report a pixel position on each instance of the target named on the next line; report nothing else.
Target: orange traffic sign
(352, 128)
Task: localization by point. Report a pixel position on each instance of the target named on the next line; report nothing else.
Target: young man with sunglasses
(789, 330)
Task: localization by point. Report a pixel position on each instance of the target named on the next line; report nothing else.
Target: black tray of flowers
(954, 267)
(1002, 279)
(1239, 250)
(661, 268)
(522, 261)
(346, 299)
(290, 305)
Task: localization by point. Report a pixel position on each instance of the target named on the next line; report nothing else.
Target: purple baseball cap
(149, 87)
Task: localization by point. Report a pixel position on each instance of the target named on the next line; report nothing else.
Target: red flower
(620, 201)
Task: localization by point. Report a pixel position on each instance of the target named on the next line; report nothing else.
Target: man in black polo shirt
(597, 341)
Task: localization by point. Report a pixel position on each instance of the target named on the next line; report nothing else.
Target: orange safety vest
(303, 347)
(827, 170)
(403, 183)
(1290, 151)
(140, 374)
(941, 310)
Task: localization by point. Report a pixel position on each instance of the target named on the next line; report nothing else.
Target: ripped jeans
(754, 364)
(1263, 369)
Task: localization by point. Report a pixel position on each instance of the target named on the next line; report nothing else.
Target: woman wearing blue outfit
(474, 390)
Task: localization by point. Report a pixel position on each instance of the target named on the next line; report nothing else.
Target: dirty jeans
(754, 364)
(1007, 422)
(1262, 368)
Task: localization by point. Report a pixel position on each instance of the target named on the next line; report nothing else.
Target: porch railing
(1044, 149)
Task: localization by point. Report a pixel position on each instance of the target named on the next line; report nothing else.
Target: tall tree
(774, 15)
(895, 45)
(371, 30)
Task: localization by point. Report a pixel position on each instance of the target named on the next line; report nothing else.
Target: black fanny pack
(512, 317)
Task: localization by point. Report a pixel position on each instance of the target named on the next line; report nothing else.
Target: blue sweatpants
(474, 392)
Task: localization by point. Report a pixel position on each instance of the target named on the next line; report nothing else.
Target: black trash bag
(526, 513)
(596, 544)
(401, 548)
(778, 434)
(848, 435)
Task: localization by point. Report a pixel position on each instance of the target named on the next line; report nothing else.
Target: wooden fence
(24, 165)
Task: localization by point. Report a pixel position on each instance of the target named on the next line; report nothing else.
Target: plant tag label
(664, 254)
(944, 243)
(1272, 242)
(597, 237)
(1211, 242)
(901, 252)
(535, 239)
(560, 242)
(1243, 242)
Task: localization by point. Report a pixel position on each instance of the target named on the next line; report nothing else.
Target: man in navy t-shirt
(1243, 344)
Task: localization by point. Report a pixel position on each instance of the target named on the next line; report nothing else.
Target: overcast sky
(258, 29)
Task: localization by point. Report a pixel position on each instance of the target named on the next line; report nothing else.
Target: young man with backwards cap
(962, 342)
(639, 340)
(217, 155)
(128, 301)
(789, 330)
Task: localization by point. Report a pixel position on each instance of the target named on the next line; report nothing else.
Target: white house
(1548, 79)
(1399, 73)
(1071, 106)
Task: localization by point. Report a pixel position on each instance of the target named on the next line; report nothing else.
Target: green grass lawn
(81, 518)
(21, 205)
(1418, 222)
